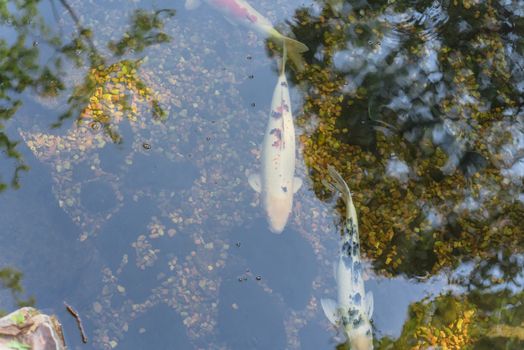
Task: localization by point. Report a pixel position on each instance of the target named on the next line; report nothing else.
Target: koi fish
(276, 182)
(354, 307)
(239, 11)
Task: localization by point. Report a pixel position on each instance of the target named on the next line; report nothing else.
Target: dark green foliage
(21, 69)
(12, 280)
(145, 31)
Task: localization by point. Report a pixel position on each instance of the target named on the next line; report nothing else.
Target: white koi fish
(354, 307)
(277, 182)
(239, 11)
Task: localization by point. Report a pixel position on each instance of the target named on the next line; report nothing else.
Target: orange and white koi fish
(239, 11)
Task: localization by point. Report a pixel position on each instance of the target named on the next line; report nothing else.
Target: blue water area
(135, 126)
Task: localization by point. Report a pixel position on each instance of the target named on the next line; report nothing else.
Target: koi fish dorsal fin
(369, 304)
(255, 182)
(330, 310)
(192, 4)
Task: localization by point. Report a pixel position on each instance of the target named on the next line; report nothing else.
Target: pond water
(128, 130)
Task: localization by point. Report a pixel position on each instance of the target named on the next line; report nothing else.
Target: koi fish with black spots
(354, 307)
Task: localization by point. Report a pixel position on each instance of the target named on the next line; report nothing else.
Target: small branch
(78, 25)
(78, 321)
(72, 13)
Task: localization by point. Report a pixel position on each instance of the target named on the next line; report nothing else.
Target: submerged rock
(27, 328)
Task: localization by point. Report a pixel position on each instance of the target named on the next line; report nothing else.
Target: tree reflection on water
(11, 279)
(420, 106)
(25, 67)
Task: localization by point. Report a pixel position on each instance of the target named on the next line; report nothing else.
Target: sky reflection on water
(136, 208)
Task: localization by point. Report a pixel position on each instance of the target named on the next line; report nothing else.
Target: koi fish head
(361, 342)
(278, 210)
(360, 338)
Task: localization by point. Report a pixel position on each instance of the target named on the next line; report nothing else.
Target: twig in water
(78, 321)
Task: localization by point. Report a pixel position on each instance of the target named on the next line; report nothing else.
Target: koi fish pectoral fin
(192, 4)
(330, 310)
(297, 183)
(255, 182)
(369, 304)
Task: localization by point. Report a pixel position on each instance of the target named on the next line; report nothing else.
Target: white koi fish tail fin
(294, 51)
(341, 186)
(293, 47)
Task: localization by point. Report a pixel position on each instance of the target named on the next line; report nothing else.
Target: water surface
(138, 122)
